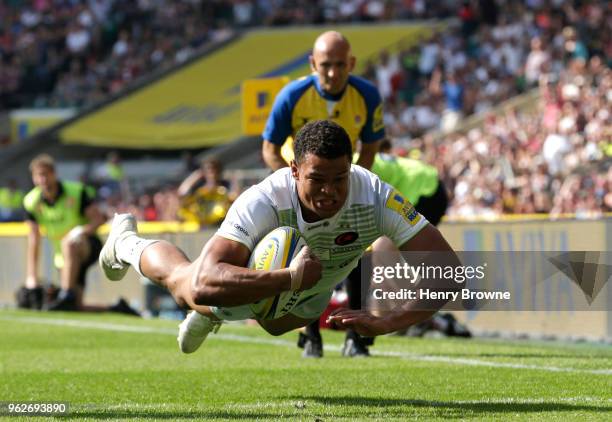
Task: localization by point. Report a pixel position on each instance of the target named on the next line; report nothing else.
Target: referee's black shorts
(434, 207)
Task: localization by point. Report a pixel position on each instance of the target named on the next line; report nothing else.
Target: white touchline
(285, 343)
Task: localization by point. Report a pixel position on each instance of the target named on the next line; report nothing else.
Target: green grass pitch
(120, 368)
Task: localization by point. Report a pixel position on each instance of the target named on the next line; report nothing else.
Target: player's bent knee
(72, 250)
(69, 246)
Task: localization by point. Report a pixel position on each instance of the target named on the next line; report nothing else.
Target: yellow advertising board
(26, 123)
(257, 99)
(567, 235)
(198, 105)
(537, 235)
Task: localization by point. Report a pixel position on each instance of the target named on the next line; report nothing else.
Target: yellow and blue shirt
(358, 109)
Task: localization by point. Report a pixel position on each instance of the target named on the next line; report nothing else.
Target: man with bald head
(329, 93)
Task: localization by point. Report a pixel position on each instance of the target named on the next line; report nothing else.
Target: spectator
(205, 197)
(385, 71)
(110, 175)
(11, 198)
(553, 162)
(536, 60)
(453, 91)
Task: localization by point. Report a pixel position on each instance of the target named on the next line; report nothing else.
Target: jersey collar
(60, 192)
(324, 94)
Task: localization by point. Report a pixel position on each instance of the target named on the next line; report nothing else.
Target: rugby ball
(273, 252)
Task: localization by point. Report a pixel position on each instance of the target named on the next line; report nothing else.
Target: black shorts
(434, 207)
(95, 246)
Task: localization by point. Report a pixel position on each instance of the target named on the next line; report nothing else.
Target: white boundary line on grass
(278, 342)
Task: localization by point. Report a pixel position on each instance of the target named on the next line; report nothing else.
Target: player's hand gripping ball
(284, 247)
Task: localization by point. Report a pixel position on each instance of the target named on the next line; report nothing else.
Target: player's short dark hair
(322, 138)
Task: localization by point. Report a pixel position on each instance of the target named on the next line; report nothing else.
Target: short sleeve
(278, 126)
(374, 128)
(400, 221)
(249, 219)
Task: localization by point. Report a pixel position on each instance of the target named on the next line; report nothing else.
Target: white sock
(130, 247)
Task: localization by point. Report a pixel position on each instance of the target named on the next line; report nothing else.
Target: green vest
(115, 172)
(58, 219)
(412, 178)
(9, 199)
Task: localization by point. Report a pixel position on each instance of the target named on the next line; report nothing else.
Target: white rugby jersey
(372, 209)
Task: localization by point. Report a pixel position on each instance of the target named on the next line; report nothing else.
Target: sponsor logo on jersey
(345, 249)
(316, 226)
(403, 207)
(292, 301)
(241, 229)
(411, 215)
(396, 201)
(346, 238)
(377, 120)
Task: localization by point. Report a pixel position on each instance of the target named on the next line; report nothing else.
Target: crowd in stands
(551, 157)
(554, 158)
(485, 58)
(74, 53)
(61, 53)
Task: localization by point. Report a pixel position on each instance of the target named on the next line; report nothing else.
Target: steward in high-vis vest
(417, 181)
(65, 211)
(11, 199)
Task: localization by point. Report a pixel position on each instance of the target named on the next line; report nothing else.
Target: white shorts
(310, 307)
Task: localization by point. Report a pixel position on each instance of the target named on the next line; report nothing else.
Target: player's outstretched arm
(364, 323)
(222, 279)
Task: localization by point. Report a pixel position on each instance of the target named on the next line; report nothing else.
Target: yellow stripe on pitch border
(159, 227)
(508, 218)
(150, 227)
